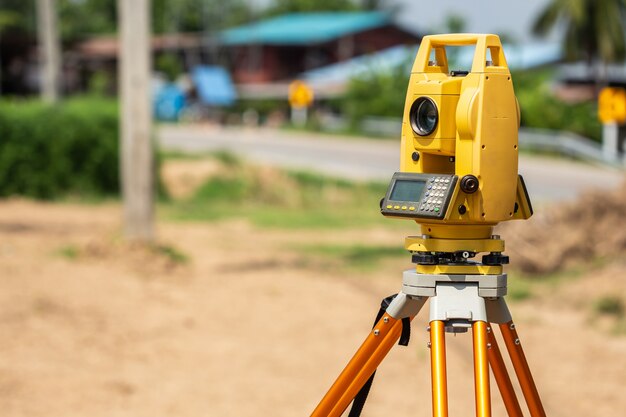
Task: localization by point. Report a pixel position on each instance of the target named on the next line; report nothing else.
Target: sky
(513, 17)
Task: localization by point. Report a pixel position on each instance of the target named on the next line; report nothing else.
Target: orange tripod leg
(438, 368)
(501, 375)
(481, 369)
(362, 365)
(522, 370)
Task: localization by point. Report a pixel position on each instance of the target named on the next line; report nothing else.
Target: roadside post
(300, 99)
(612, 114)
(136, 158)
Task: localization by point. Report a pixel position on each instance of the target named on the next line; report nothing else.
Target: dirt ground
(90, 326)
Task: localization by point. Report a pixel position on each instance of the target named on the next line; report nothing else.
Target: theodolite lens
(424, 116)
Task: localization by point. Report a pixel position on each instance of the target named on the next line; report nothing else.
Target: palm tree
(594, 29)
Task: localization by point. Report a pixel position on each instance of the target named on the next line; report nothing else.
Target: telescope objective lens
(424, 116)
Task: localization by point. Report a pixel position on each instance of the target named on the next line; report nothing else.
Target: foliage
(455, 23)
(8, 19)
(17, 15)
(171, 253)
(593, 28)
(169, 65)
(290, 6)
(70, 252)
(78, 19)
(377, 93)
(87, 17)
(541, 109)
(47, 152)
(198, 15)
(609, 305)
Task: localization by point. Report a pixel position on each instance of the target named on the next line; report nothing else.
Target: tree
(83, 18)
(295, 6)
(455, 23)
(79, 19)
(594, 29)
(198, 15)
(17, 15)
(378, 92)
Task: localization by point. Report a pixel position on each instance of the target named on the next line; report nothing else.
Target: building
(280, 48)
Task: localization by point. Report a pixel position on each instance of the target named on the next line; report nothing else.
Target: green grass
(519, 289)
(280, 199)
(609, 305)
(171, 253)
(354, 256)
(225, 157)
(522, 286)
(68, 252)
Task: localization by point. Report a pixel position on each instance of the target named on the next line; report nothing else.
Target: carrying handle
(483, 44)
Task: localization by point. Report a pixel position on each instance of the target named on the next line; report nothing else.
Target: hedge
(51, 151)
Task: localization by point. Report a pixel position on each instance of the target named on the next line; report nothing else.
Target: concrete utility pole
(136, 119)
(49, 50)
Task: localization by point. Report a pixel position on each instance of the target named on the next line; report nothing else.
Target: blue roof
(304, 28)
(214, 85)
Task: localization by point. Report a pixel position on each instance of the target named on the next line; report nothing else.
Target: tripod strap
(361, 396)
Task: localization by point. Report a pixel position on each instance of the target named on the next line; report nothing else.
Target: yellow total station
(459, 152)
(458, 178)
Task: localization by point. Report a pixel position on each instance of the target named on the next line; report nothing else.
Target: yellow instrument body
(476, 134)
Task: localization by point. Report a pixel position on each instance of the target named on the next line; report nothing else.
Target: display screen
(407, 190)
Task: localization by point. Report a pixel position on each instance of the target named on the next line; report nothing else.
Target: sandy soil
(90, 326)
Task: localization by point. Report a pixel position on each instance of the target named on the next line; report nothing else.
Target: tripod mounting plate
(454, 299)
(425, 285)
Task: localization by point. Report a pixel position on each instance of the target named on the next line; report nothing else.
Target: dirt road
(247, 326)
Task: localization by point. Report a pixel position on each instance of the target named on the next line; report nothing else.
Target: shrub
(50, 151)
(609, 305)
(376, 93)
(541, 109)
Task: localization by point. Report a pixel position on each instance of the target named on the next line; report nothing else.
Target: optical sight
(459, 152)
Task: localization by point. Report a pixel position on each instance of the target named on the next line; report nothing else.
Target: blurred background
(204, 238)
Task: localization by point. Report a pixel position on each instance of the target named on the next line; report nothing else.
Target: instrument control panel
(418, 195)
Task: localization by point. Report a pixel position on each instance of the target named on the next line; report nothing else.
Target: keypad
(434, 197)
(432, 203)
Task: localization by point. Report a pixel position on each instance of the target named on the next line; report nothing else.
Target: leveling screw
(488, 329)
(517, 342)
(488, 345)
(427, 328)
(376, 332)
(386, 319)
(428, 345)
(512, 326)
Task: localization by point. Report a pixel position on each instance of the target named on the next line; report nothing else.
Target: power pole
(49, 50)
(136, 119)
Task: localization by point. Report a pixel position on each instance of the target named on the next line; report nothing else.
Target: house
(280, 48)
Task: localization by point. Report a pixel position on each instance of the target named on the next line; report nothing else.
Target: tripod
(462, 295)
